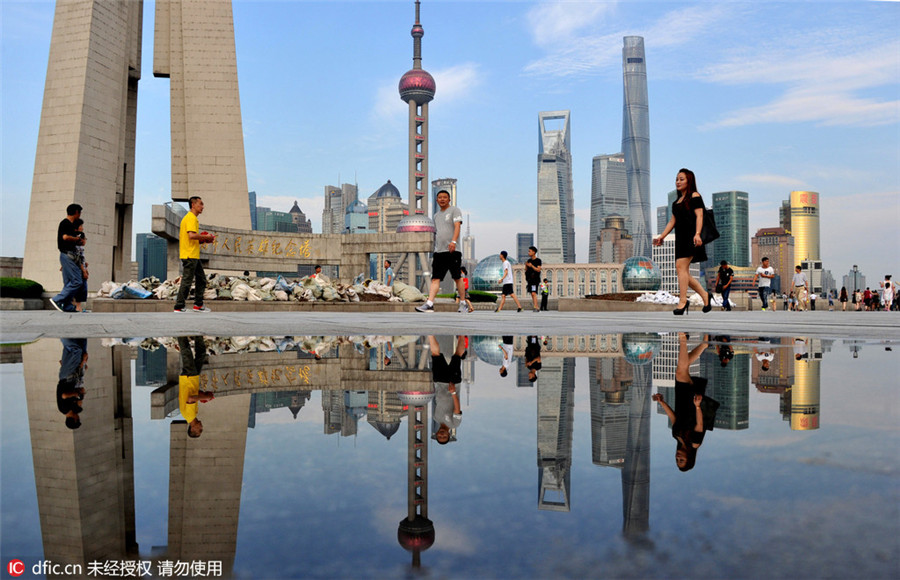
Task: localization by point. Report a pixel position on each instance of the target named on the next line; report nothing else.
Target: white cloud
(553, 23)
(583, 55)
(824, 85)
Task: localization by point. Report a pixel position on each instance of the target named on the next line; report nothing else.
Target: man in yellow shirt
(189, 240)
(189, 393)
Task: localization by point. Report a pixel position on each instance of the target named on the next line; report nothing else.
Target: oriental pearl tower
(417, 90)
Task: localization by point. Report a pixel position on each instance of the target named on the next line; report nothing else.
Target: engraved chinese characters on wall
(228, 244)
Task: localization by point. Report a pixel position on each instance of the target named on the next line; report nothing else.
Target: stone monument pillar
(194, 48)
(85, 148)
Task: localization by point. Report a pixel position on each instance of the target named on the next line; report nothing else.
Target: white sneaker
(424, 308)
(463, 309)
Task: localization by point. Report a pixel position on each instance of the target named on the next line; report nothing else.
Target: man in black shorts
(446, 377)
(533, 276)
(447, 257)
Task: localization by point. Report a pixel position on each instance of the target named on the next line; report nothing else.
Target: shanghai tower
(636, 141)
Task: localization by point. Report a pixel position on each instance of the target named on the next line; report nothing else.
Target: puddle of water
(618, 455)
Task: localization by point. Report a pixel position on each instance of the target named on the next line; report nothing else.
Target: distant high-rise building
(854, 280)
(356, 218)
(614, 244)
(468, 245)
(805, 225)
(609, 195)
(269, 220)
(784, 215)
(523, 242)
(664, 212)
(304, 226)
(732, 212)
(337, 199)
(555, 211)
(778, 246)
(386, 209)
(445, 183)
(252, 197)
(729, 384)
(555, 426)
(664, 258)
(636, 141)
(150, 251)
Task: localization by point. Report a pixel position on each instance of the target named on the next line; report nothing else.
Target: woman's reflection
(694, 413)
(70, 389)
(189, 393)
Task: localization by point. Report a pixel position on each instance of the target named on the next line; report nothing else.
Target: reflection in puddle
(211, 392)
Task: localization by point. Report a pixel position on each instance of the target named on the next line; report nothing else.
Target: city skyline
(767, 124)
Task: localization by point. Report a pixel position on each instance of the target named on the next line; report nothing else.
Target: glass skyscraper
(732, 211)
(555, 207)
(609, 195)
(636, 141)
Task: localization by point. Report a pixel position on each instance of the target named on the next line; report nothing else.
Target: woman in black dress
(687, 220)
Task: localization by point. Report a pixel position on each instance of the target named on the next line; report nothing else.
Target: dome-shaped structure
(357, 207)
(487, 349)
(416, 223)
(415, 398)
(386, 429)
(640, 347)
(386, 190)
(416, 535)
(417, 84)
(641, 274)
(486, 274)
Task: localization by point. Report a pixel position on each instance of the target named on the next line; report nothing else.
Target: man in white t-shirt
(507, 282)
(763, 281)
(801, 288)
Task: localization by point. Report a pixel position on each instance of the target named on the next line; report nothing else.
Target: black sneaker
(519, 310)
(55, 305)
(425, 308)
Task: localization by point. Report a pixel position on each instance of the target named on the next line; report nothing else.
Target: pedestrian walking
(189, 239)
(687, 221)
(723, 283)
(533, 276)
(545, 294)
(80, 298)
(507, 281)
(801, 287)
(464, 299)
(763, 281)
(843, 299)
(67, 240)
(446, 258)
(888, 293)
(388, 273)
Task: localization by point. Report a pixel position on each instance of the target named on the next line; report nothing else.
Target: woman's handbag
(709, 231)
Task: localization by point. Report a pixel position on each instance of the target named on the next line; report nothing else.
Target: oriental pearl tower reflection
(416, 531)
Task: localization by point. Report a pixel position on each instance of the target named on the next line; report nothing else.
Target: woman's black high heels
(708, 306)
(683, 310)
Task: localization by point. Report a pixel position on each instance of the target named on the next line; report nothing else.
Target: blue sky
(764, 97)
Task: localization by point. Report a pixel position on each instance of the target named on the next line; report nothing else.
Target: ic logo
(15, 567)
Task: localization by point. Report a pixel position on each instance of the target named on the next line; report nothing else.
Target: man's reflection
(446, 377)
(506, 346)
(724, 350)
(532, 357)
(694, 412)
(189, 393)
(70, 389)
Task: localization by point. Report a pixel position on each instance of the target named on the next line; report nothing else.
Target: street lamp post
(855, 270)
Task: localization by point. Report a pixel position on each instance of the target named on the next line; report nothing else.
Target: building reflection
(85, 476)
(790, 368)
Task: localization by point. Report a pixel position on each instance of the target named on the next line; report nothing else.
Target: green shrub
(20, 288)
(479, 296)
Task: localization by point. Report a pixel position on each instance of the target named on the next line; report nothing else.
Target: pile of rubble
(306, 289)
